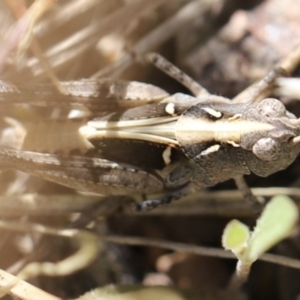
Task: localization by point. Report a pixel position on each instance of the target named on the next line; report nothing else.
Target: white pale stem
(239, 277)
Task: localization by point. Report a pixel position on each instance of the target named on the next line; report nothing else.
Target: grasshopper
(139, 139)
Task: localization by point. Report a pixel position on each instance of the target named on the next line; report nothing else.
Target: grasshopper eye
(271, 107)
(267, 149)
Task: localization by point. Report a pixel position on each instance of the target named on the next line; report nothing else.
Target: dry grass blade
(22, 289)
(69, 49)
(20, 35)
(88, 250)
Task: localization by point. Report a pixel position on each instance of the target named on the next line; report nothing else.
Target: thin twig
(199, 250)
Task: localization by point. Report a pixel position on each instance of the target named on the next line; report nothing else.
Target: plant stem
(239, 277)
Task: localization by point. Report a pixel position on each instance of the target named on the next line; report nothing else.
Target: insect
(139, 139)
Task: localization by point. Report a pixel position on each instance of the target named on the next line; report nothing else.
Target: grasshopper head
(277, 147)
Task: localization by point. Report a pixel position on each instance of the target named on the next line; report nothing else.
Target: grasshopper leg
(265, 86)
(243, 187)
(261, 89)
(168, 68)
(150, 204)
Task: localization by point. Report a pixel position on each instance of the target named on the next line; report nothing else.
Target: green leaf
(235, 237)
(276, 222)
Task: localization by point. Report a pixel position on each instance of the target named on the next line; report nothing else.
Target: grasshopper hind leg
(150, 204)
